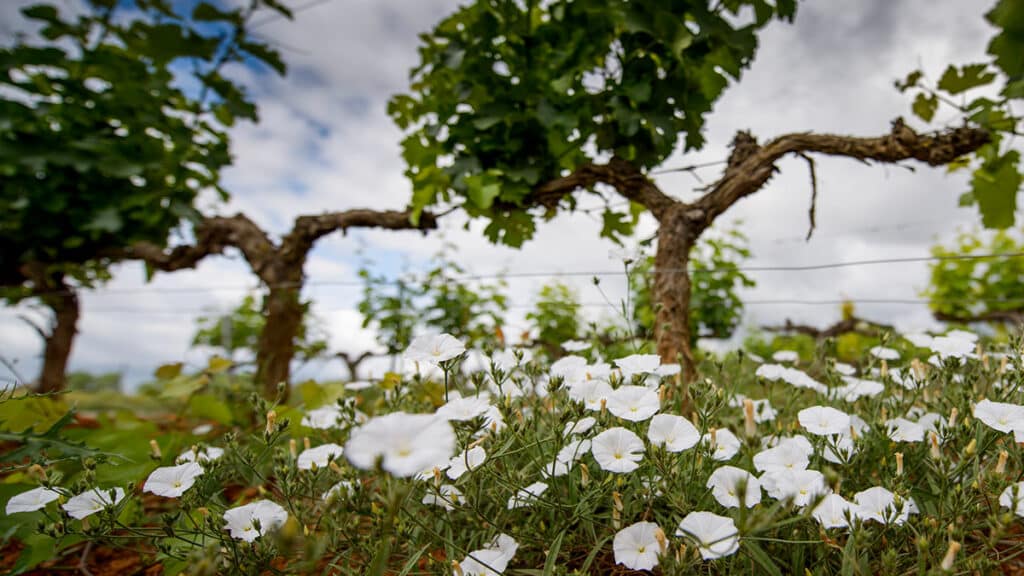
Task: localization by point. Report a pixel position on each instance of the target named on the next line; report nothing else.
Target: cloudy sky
(325, 143)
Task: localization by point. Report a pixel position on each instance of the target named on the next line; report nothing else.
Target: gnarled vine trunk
(672, 287)
(63, 302)
(276, 346)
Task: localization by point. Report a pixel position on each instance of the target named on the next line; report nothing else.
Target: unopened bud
(335, 468)
(749, 425)
(271, 421)
(1001, 464)
(681, 553)
(899, 463)
(659, 535)
(950, 557)
(154, 450)
(293, 448)
(972, 447)
(919, 369)
(37, 472)
(952, 418)
(456, 568)
(885, 368)
(933, 442)
(617, 501)
(713, 436)
(604, 406)
(584, 475)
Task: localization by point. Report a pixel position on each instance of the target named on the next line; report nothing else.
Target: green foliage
(509, 95)
(971, 287)
(996, 177)
(239, 331)
(404, 524)
(716, 309)
(89, 382)
(438, 300)
(555, 317)
(111, 123)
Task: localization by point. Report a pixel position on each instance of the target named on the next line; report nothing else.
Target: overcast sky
(325, 143)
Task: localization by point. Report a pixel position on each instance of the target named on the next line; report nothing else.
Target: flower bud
(899, 463)
(933, 442)
(749, 425)
(154, 450)
(971, 448)
(292, 449)
(950, 557)
(271, 421)
(951, 423)
(1001, 465)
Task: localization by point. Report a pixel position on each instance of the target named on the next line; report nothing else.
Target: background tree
(439, 299)
(966, 287)
(514, 107)
(239, 331)
(716, 309)
(278, 265)
(102, 146)
(555, 317)
(984, 94)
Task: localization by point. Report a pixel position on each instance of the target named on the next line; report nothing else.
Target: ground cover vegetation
(578, 447)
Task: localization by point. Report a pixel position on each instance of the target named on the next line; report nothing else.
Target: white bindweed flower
(406, 443)
(919, 339)
(469, 460)
(319, 456)
(883, 353)
(32, 500)
(824, 420)
(637, 364)
(590, 392)
(172, 481)
(734, 487)
(208, 454)
(581, 426)
(879, 504)
(492, 560)
(1012, 498)
(1000, 416)
(575, 346)
(92, 501)
(844, 369)
(962, 335)
(567, 366)
(857, 388)
(903, 430)
(800, 486)
(343, 488)
(567, 457)
(434, 348)
(839, 449)
(799, 442)
(716, 536)
(785, 456)
(527, 496)
(638, 546)
(461, 409)
(726, 444)
(832, 511)
(674, 432)
(322, 418)
(255, 519)
(791, 376)
(666, 370)
(617, 450)
(634, 403)
(508, 359)
(493, 421)
(786, 356)
(947, 347)
(446, 496)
